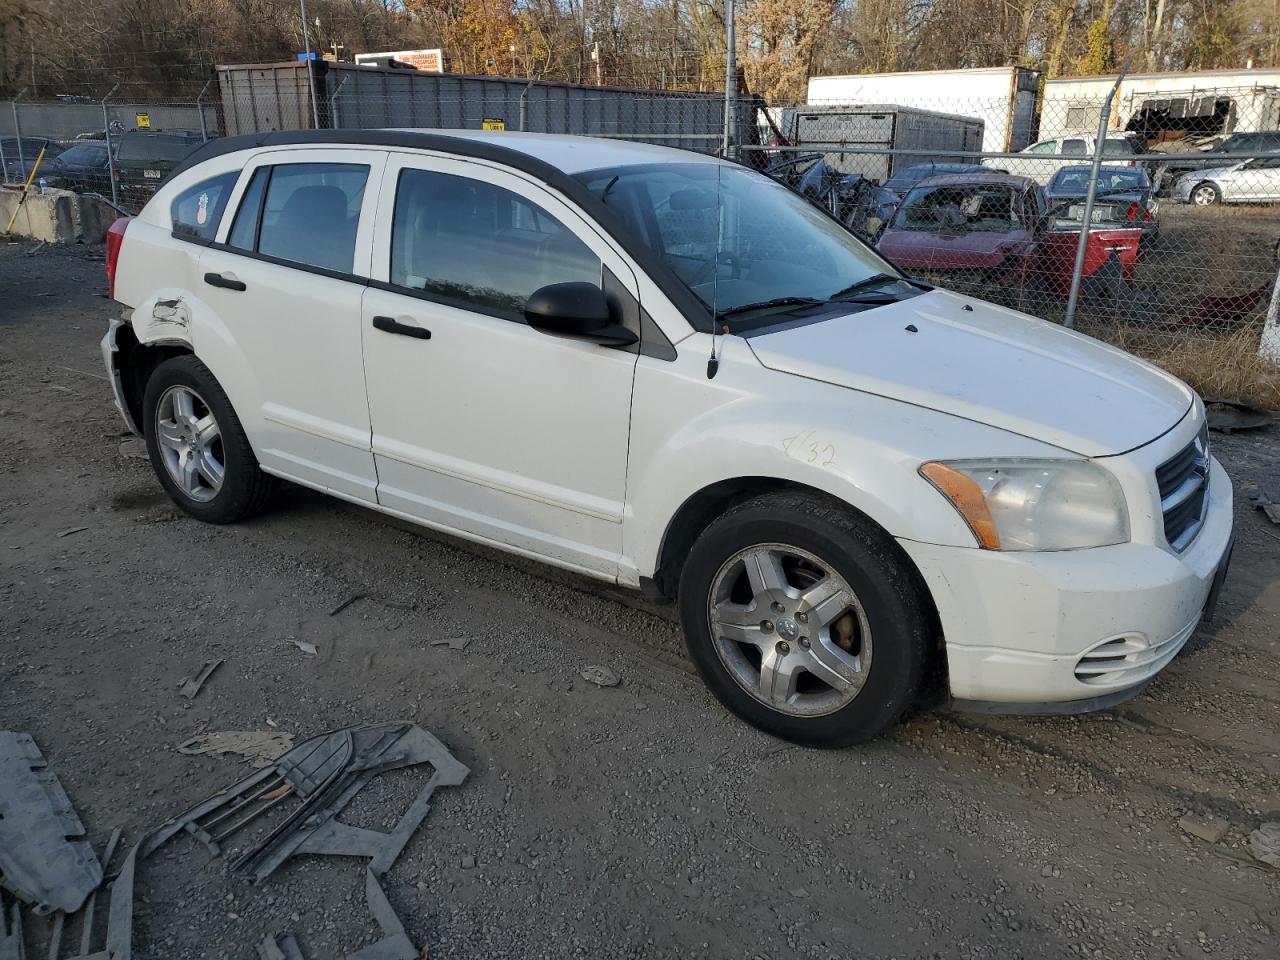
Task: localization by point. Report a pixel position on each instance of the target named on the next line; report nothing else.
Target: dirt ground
(634, 821)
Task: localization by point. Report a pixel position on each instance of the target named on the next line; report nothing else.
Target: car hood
(991, 365)
(924, 250)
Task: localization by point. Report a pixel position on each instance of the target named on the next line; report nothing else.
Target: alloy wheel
(789, 629)
(190, 443)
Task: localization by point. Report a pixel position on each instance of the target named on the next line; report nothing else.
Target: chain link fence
(1153, 224)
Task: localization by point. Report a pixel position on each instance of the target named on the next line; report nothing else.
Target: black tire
(894, 599)
(245, 489)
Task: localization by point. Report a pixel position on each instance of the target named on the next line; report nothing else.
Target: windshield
(982, 207)
(1075, 180)
(156, 147)
(761, 244)
(87, 154)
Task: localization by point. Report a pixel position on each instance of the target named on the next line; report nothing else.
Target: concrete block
(56, 216)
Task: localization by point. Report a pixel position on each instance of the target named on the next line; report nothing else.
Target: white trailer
(1166, 105)
(1004, 98)
(889, 134)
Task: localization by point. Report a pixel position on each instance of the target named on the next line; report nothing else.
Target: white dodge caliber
(669, 372)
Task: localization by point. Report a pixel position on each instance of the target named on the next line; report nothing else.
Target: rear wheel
(805, 619)
(197, 447)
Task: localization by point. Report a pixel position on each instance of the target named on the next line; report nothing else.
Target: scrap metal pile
(46, 863)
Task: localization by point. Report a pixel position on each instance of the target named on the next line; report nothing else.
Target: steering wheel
(708, 269)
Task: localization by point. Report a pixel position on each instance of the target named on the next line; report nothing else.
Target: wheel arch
(136, 361)
(703, 507)
(1212, 184)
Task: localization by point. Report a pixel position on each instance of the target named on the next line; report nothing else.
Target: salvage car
(975, 229)
(997, 236)
(1044, 159)
(145, 157)
(19, 156)
(1249, 181)
(83, 166)
(669, 372)
(1123, 196)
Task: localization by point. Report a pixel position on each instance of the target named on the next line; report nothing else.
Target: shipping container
(277, 96)
(1166, 106)
(1003, 98)
(882, 128)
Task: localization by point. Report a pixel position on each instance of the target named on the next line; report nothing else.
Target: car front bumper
(1022, 629)
(1182, 190)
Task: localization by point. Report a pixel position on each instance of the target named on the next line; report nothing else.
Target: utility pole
(730, 79)
(311, 73)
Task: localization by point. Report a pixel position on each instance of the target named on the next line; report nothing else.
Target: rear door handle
(392, 325)
(218, 280)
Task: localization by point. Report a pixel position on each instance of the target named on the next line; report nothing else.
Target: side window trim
(440, 299)
(375, 160)
(262, 206)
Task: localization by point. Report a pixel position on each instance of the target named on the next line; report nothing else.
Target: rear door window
(310, 214)
(197, 211)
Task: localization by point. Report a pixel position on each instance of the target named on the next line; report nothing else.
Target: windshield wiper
(767, 304)
(873, 283)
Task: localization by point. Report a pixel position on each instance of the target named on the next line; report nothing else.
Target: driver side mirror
(576, 309)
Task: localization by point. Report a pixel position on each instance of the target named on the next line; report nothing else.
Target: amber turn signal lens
(966, 496)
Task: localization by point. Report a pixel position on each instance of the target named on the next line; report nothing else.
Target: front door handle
(218, 280)
(392, 325)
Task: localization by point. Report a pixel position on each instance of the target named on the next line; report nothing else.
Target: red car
(979, 230)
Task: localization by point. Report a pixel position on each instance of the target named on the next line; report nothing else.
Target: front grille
(1130, 659)
(1183, 481)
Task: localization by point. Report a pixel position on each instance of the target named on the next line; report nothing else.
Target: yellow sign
(488, 123)
(144, 121)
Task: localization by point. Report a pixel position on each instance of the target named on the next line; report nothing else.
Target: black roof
(684, 299)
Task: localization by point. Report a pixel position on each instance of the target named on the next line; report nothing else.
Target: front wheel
(1206, 195)
(805, 620)
(197, 446)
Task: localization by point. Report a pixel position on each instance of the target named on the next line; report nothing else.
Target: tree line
(168, 47)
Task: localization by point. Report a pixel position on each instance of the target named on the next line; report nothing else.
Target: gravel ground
(634, 821)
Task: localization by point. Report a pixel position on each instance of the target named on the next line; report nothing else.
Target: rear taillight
(1133, 212)
(115, 239)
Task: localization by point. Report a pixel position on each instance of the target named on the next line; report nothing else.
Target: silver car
(1249, 181)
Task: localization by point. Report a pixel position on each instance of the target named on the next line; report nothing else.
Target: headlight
(1024, 504)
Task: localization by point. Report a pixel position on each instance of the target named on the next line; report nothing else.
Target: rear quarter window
(197, 211)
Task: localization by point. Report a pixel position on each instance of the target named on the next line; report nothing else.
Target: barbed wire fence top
(987, 196)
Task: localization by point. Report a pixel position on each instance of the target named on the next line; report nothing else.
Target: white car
(1249, 181)
(1047, 157)
(667, 371)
